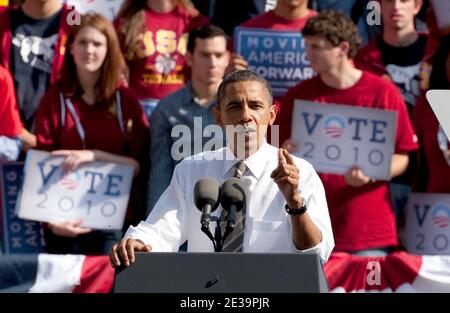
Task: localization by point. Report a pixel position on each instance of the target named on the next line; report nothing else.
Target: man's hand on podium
(126, 249)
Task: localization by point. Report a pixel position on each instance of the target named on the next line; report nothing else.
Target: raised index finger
(281, 157)
(288, 157)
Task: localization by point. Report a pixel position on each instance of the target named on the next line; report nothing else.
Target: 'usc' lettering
(164, 42)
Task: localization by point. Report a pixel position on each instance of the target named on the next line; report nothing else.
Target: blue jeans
(374, 252)
(399, 198)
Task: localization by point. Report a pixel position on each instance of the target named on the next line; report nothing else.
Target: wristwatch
(296, 211)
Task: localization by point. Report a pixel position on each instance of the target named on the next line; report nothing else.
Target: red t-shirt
(271, 21)
(369, 59)
(427, 128)
(362, 217)
(158, 68)
(10, 124)
(101, 126)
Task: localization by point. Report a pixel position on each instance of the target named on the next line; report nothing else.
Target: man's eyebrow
(233, 102)
(256, 101)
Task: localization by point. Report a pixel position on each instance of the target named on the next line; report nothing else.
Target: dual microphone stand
(218, 238)
(208, 194)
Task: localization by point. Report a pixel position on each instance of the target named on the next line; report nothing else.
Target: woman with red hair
(90, 116)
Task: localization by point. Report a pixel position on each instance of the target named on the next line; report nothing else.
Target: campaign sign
(438, 100)
(19, 235)
(96, 193)
(108, 8)
(441, 10)
(278, 56)
(427, 228)
(336, 137)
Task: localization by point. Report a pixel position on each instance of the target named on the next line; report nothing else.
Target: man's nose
(246, 114)
(213, 61)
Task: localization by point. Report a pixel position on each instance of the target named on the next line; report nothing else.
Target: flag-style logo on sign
(334, 126)
(70, 181)
(441, 215)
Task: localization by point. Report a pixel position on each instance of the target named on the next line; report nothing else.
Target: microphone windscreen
(206, 191)
(233, 192)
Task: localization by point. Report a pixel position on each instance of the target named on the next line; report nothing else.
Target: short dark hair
(336, 28)
(243, 76)
(204, 32)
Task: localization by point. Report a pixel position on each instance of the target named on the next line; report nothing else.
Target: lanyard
(67, 103)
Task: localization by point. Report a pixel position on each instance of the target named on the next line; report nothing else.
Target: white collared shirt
(175, 219)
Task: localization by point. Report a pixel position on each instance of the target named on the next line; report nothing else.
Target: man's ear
(218, 115)
(273, 111)
(228, 56)
(418, 7)
(345, 48)
(188, 58)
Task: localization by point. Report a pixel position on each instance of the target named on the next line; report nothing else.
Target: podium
(222, 273)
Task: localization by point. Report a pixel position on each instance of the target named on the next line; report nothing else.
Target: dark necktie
(235, 240)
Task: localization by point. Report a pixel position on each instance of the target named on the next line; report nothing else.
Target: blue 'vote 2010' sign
(278, 56)
(336, 137)
(96, 193)
(427, 226)
(18, 235)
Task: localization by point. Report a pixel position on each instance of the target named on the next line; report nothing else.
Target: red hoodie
(369, 59)
(10, 124)
(6, 38)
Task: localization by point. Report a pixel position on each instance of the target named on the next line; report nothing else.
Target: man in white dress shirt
(277, 182)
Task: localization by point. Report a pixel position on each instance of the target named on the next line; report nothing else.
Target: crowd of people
(119, 91)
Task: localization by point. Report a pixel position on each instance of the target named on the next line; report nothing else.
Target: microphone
(233, 197)
(206, 198)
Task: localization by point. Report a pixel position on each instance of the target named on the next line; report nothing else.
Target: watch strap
(296, 211)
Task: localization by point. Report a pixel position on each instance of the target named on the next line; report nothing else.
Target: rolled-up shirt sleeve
(311, 188)
(165, 228)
